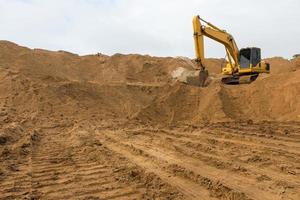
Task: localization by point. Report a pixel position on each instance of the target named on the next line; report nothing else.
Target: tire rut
(237, 184)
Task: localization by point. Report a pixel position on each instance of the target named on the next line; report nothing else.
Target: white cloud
(153, 27)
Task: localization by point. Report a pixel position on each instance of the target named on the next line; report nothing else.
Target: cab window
(245, 56)
(255, 56)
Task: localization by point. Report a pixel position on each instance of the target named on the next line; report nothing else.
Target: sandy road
(219, 161)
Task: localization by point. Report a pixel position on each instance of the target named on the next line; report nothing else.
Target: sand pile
(39, 86)
(99, 68)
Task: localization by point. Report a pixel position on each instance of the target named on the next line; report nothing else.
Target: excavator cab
(250, 63)
(250, 66)
(249, 57)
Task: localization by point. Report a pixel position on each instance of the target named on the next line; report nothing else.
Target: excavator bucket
(203, 75)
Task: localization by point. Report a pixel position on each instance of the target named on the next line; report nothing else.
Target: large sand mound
(43, 85)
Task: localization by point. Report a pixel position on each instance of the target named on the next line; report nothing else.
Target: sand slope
(135, 85)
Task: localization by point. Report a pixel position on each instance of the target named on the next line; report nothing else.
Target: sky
(154, 27)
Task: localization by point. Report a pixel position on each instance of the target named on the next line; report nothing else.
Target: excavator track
(231, 80)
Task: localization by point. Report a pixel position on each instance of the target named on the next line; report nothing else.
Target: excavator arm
(218, 35)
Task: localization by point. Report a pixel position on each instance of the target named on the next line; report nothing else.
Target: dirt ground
(120, 127)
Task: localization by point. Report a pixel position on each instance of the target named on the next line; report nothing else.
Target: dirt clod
(3, 140)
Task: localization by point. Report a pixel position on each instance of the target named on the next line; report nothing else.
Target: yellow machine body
(244, 62)
(262, 67)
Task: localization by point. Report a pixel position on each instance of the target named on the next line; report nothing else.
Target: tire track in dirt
(238, 152)
(225, 137)
(285, 131)
(290, 143)
(17, 182)
(232, 180)
(74, 165)
(222, 145)
(60, 171)
(162, 161)
(188, 188)
(262, 140)
(16, 186)
(185, 147)
(55, 172)
(266, 161)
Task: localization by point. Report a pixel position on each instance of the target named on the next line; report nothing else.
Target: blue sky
(155, 27)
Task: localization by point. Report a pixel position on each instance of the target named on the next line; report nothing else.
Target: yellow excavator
(244, 62)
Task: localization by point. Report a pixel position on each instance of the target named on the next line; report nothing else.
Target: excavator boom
(214, 33)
